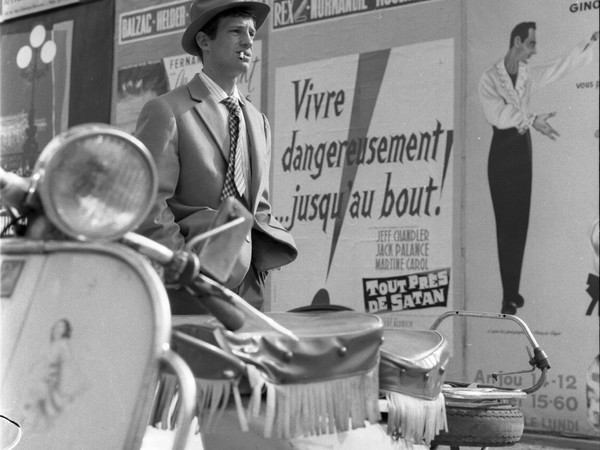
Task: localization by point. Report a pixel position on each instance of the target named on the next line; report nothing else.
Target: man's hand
(541, 124)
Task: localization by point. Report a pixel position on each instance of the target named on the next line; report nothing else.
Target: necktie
(234, 178)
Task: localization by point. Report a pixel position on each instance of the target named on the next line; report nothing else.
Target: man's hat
(202, 11)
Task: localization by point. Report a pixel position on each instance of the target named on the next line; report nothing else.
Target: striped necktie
(234, 178)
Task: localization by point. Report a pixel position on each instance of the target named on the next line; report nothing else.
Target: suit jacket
(186, 139)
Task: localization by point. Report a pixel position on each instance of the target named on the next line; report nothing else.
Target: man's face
(527, 48)
(231, 50)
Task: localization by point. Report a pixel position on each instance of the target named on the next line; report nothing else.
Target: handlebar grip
(540, 359)
(231, 317)
(226, 312)
(13, 189)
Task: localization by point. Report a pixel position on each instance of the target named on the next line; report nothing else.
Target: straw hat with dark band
(202, 11)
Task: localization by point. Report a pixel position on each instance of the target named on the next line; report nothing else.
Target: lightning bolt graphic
(369, 76)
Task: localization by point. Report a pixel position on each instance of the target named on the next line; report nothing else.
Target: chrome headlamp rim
(54, 154)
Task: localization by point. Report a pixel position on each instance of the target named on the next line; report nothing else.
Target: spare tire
(490, 426)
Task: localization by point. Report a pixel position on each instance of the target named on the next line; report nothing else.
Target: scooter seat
(413, 362)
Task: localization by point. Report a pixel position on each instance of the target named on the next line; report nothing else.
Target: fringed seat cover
(325, 383)
(411, 375)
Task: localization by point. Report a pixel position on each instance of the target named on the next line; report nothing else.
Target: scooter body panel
(83, 326)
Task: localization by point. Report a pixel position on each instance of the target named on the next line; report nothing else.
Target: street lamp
(28, 58)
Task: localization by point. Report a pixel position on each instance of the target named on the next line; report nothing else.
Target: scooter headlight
(95, 182)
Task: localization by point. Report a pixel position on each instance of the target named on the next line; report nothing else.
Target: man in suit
(188, 131)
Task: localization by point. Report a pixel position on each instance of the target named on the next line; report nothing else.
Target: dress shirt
(242, 144)
(506, 105)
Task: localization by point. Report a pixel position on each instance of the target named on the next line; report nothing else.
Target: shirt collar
(218, 91)
(506, 82)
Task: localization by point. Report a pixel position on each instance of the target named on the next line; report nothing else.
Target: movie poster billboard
(290, 13)
(35, 91)
(362, 166)
(557, 280)
(11, 9)
(45, 87)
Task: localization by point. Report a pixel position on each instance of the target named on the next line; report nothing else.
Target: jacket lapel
(256, 142)
(206, 108)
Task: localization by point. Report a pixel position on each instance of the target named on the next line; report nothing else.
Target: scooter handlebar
(226, 306)
(182, 268)
(13, 189)
(216, 301)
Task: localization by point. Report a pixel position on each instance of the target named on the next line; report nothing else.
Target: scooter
(89, 343)
(86, 327)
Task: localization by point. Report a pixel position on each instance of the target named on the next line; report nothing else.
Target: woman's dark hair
(66, 332)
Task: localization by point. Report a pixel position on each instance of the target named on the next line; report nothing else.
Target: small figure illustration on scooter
(55, 381)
